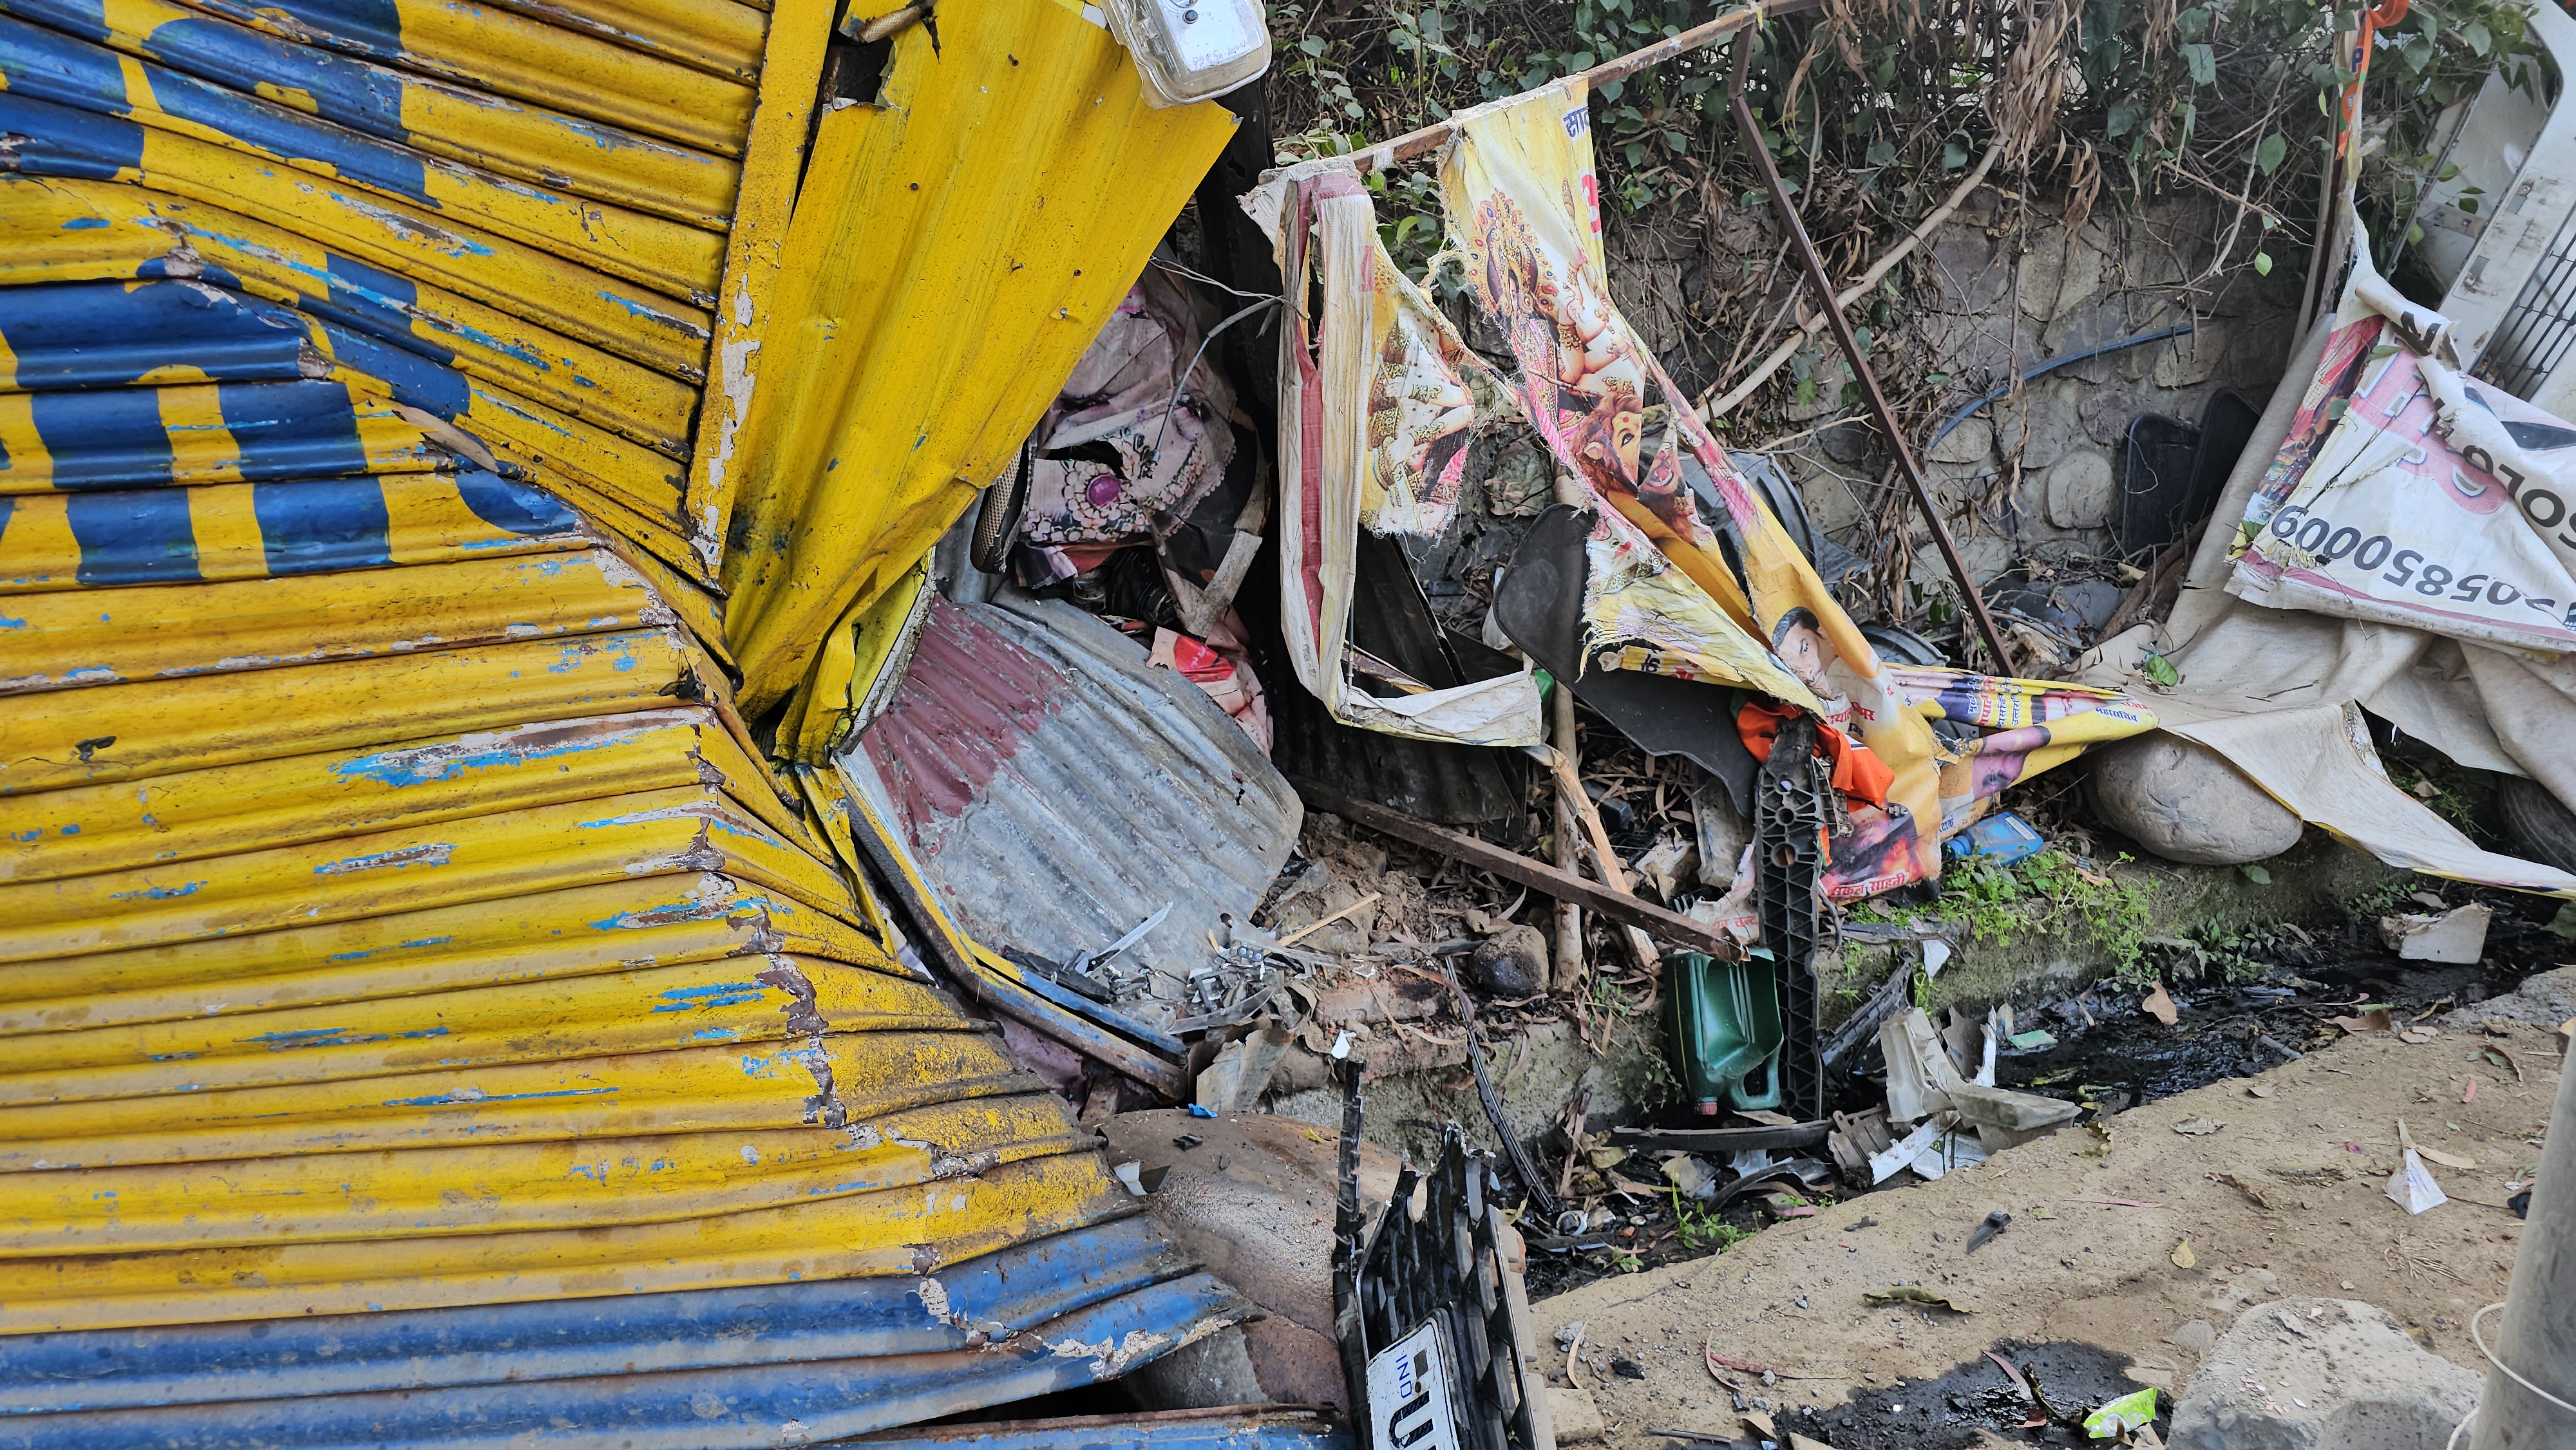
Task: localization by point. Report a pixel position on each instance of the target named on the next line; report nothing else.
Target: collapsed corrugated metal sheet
(965, 239)
(785, 1365)
(426, 1017)
(1055, 790)
(1241, 1428)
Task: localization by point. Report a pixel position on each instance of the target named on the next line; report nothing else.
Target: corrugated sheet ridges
(960, 245)
(398, 918)
(1056, 791)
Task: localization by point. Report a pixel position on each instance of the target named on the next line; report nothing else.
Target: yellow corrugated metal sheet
(955, 248)
(395, 909)
(588, 67)
(754, 257)
(68, 230)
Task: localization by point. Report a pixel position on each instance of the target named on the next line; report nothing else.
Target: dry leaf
(2159, 1004)
(2447, 1160)
(2502, 1059)
(2197, 1127)
(2183, 1257)
(1915, 1294)
(2374, 1020)
(2259, 1089)
(2469, 1094)
(2418, 1036)
(2101, 1147)
(2240, 1185)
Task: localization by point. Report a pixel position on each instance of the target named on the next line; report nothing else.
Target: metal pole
(1822, 289)
(2535, 1340)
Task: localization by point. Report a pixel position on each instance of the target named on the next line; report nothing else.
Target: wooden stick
(1570, 967)
(1303, 932)
(1821, 288)
(1544, 879)
(1432, 137)
(1814, 322)
(1605, 860)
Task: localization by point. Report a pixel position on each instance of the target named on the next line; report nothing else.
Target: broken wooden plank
(1547, 880)
(1721, 1140)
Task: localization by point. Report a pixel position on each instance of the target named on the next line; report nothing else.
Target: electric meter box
(1189, 50)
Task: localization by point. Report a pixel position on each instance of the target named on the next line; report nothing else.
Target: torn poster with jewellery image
(1659, 567)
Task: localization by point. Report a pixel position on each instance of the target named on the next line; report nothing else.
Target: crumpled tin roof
(1056, 791)
(424, 1017)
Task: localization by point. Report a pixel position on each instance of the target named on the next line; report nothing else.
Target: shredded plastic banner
(1377, 397)
(2408, 494)
(1380, 396)
(1661, 596)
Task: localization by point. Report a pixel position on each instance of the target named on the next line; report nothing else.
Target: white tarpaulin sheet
(2273, 688)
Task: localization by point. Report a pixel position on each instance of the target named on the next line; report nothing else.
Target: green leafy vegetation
(1702, 1228)
(2050, 895)
(2457, 796)
(1873, 109)
(2232, 954)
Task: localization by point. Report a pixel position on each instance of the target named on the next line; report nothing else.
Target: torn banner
(1377, 398)
(2279, 650)
(1663, 594)
(2408, 494)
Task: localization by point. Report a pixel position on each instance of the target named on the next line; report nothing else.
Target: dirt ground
(2284, 1199)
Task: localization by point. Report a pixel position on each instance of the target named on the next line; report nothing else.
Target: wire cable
(2508, 1371)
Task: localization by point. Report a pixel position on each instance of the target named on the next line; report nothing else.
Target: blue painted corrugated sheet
(1245, 1428)
(778, 1365)
(424, 1018)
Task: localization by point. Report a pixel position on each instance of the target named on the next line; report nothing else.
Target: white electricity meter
(1189, 50)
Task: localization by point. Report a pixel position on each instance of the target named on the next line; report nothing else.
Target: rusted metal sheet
(953, 251)
(1055, 790)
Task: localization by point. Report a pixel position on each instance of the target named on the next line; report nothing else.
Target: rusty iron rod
(1822, 288)
(1547, 880)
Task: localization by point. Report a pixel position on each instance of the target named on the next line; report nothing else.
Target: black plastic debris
(1433, 1325)
(1794, 809)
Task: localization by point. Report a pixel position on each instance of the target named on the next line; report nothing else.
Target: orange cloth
(1858, 772)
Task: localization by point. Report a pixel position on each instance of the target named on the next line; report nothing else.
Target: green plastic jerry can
(1727, 1032)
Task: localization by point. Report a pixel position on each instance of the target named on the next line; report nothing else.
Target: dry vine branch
(1811, 325)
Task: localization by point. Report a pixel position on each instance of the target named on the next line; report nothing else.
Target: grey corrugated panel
(1056, 790)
